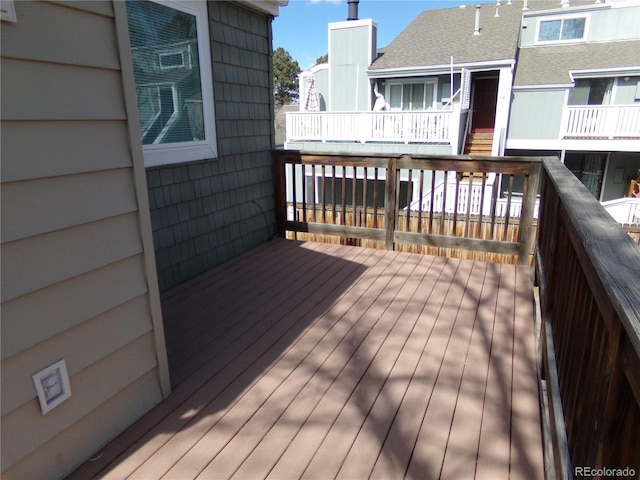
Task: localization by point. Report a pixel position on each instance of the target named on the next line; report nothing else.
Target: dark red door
(485, 97)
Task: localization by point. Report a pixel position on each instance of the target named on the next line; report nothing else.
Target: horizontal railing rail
(370, 198)
(587, 267)
(602, 121)
(390, 127)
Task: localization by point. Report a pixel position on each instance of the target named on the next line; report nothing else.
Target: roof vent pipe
(353, 9)
(565, 3)
(476, 30)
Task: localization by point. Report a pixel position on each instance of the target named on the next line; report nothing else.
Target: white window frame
(172, 153)
(562, 18)
(411, 81)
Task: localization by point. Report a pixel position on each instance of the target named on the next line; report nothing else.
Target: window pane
(395, 97)
(417, 100)
(549, 30)
(164, 47)
(573, 28)
(406, 97)
(428, 101)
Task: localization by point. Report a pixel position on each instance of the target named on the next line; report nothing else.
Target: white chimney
(526, 5)
(565, 3)
(476, 30)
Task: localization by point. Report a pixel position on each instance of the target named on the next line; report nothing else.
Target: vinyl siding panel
(77, 282)
(70, 92)
(63, 202)
(67, 304)
(43, 260)
(82, 345)
(536, 114)
(72, 147)
(103, 422)
(49, 33)
(115, 372)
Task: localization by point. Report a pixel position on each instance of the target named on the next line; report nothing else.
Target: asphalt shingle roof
(435, 35)
(550, 65)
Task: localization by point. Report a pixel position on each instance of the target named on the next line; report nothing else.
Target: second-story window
(562, 29)
(173, 76)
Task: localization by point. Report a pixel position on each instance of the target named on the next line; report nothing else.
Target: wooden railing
(590, 306)
(390, 127)
(316, 194)
(602, 121)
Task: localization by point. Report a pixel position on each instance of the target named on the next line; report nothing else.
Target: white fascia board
(272, 7)
(604, 72)
(566, 10)
(550, 86)
(439, 69)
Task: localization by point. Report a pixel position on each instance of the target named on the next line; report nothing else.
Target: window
(174, 88)
(411, 96)
(589, 168)
(595, 91)
(561, 29)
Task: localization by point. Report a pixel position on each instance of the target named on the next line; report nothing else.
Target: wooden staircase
(479, 144)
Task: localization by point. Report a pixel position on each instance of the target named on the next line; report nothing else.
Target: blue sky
(301, 28)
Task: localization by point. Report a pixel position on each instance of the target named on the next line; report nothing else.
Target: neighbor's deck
(308, 360)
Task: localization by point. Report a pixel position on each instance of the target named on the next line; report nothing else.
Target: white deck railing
(391, 127)
(624, 210)
(602, 121)
(477, 204)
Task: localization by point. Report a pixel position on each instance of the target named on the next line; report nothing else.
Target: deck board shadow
(307, 360)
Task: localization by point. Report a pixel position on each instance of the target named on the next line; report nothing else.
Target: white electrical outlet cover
(52, 385)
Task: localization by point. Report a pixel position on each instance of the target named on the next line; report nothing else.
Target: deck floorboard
(307, 360)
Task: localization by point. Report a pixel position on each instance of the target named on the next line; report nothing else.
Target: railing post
(279, 187)
(526, 214)
(390, 202)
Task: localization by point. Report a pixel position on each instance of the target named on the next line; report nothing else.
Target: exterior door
(485, 97)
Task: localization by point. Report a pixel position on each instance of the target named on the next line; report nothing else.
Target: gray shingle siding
(206, 212)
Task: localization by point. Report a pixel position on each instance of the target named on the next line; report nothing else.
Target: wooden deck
(308, 360)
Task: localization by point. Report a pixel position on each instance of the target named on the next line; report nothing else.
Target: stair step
(479, 144)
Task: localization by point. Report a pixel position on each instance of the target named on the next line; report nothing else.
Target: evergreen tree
(285, 77)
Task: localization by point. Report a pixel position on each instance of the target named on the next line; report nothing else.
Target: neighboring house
(482, 80)
(576, 92)
(84, 201)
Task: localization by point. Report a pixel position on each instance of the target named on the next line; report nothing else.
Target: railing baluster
(295, 195)
(324, 196)
(375, 199)
(481, 212)
(409, 185)
(469, 197)
(344, 195)
(304, 193)
(364, 195)
(333, 193)
(390, 202)
(494, 203)
(455, 204)
(420, 195)
(313, 193)
(353, 198)
(508, 212)
(432, 200)
(444, 202)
